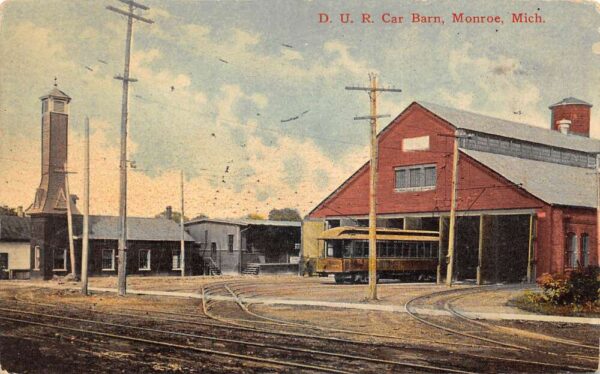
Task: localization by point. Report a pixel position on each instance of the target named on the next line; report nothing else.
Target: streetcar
(401, 254)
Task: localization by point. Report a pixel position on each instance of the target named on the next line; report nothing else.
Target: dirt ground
(47, 329)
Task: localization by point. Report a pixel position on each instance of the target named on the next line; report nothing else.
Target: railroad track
(352, 363)
(513, 361)
(447, 305)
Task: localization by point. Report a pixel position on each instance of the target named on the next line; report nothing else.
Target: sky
(248, 97)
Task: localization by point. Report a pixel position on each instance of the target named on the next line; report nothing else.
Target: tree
(200, 216)
(175, 216)
(6, 211)
(255, 216)
(285, 214)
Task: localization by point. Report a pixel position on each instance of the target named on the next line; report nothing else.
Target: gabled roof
(552, 183)
(138, 228)
(570, 101)
(462, 119)
(15, 228)
(246, 222)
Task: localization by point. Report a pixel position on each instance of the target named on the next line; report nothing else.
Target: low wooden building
(237, 246)
(15, 258)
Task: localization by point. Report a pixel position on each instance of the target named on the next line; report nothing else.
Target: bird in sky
(223, 61)
(172, 88)
(89, 68)
(287, 45)
(102, 61)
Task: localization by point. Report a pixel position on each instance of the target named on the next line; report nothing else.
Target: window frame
(585, 249)
(572, 253)
(423, 186)
(230, 241)
(64, 268)
(37, 257)
(112, 259)
(176, 252)
(148, 259)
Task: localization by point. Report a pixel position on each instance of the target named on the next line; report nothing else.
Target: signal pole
(182, 255)
(86, 210)
(372, 90)
(122, 281)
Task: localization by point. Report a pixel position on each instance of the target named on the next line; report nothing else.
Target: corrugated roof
(552, 183)
(138, 228)
(570, 101)
(15, 228)
(477, 122)
(247, 222)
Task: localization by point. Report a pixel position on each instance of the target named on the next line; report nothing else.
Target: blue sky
(217, 78)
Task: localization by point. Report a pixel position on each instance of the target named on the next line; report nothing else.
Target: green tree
(7, 211)
(175, 216)
(285, 214)
(255, 216)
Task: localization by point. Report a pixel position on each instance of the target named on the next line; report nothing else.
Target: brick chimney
(574, 110)
(20, 212)
(169, 212)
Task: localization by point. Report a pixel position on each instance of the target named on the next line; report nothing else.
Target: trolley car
(401, 254)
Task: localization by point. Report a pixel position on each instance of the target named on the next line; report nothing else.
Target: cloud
(502, 90)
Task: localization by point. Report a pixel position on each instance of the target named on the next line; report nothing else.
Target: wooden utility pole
(122, 281)
(85, 240)
(451, 235)
(70, 222)
(598, 214)
(182, 231)
(372, 90)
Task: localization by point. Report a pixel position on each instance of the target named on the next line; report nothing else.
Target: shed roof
(552, 183)
(138, 228)
(15, 228)
(463, 119)
(247, 222)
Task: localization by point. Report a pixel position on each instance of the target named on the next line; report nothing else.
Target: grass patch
(531, 301)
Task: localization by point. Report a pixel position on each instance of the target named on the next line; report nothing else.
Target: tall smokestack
(575, 110)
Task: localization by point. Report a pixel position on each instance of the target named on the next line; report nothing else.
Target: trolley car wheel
(339, 278)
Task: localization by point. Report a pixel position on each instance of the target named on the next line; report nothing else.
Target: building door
(3, 265)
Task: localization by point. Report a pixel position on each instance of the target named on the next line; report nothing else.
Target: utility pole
(122, 281)
(451, 237)
(69, 219)
(85, 240)
(372, 90)
(182, 257)
(598, 215)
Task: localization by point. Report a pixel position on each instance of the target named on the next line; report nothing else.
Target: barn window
(415, 177)
(144, 259)
(176, 258)
(572, 250)
(37, 254)
(230, 243)
(108, 259)
(585, 249)
(59, 259)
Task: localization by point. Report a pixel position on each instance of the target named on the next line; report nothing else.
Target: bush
(579, 287)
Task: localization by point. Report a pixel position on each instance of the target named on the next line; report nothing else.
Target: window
(144, 259)
(416, 177)
(3, 261)
(230, 243)
(37, 254)
(108, 259)
(206, 237)
(44, 106)
(176, 259)
(572, 253)
(59, 106)
(59, 259)
(585, 249)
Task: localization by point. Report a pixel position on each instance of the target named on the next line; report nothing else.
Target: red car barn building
(526, 196)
